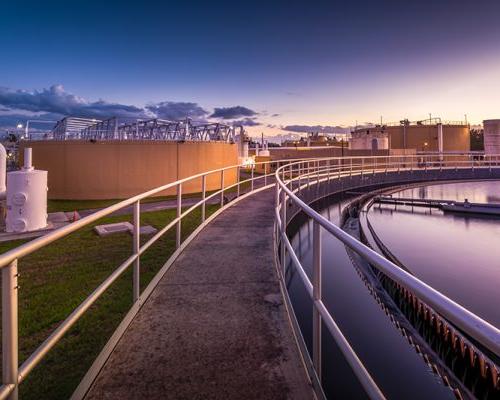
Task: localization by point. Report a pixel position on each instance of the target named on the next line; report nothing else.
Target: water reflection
(458, 255)
(397, 368)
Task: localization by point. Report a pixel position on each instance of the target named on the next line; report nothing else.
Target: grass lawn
(76, 205)
(56, 279)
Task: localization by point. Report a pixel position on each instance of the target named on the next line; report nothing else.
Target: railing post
(136, 287)
(238, 181)
(308, 174)
(300, 174)
(10, 327)
(316, 281)
(251, 180)
(265, 174)
(283, 231)
(222, 188)
(204, 194)
(179, 222)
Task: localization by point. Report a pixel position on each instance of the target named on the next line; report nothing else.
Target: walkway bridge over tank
(216, 321)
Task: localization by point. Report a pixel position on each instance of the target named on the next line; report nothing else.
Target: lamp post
(26, 128)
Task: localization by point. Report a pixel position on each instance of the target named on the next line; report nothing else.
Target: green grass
(56, 279)
(77, 205)
(72, 205)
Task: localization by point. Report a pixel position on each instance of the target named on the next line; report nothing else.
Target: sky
(272, 66)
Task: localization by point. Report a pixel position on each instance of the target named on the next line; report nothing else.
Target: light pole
(42, 121)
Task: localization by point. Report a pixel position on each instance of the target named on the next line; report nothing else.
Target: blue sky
(289, 62)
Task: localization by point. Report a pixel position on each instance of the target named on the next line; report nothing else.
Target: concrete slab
(147, 230)
(215, 327)
(57, 217)
(109, 229)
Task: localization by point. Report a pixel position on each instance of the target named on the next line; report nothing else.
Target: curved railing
(259, 176)
(297, 178)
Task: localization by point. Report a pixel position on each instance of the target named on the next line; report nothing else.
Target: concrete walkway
(215, 327)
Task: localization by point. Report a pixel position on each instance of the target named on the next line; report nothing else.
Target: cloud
(247, 122)
(56, 100)
(275, 115)
(316, 128)
(54, 103)
(232, 112)
(172, 110)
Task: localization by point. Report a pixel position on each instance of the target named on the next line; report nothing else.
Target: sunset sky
(264, 64)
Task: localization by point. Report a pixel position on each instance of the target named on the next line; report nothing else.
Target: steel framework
(159, 129)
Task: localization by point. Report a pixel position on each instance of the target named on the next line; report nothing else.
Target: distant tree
(476, 139)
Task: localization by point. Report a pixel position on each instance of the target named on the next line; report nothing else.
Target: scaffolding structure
(151, 129)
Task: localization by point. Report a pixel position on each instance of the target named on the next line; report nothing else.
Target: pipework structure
(144, 129)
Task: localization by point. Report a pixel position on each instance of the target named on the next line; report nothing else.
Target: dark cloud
(247, 122)
(316, 128)
(232, 112)
(57, 100)
(54, 103)
(172, 110)
(275, 115)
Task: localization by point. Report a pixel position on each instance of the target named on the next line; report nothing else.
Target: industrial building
(430, 135)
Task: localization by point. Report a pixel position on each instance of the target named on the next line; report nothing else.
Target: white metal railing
(294, 178)
(261, 175)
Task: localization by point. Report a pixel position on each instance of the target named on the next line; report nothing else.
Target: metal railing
(259, 176)
(295, 178)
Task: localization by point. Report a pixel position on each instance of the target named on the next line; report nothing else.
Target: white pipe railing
(289, 185)
(12, 373)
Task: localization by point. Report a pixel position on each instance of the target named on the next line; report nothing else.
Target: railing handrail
(482, 331)
(35, 244)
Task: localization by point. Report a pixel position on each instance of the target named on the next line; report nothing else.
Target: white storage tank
(491, 136)
(26, 198)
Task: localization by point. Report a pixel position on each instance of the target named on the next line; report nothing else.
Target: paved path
(215, 327)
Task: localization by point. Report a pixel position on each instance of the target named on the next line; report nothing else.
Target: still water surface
(458, 254)
(396, 367)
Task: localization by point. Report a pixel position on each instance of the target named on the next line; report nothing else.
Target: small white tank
(26, 198)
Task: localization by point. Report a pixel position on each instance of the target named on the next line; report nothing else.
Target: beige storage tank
(491, 136)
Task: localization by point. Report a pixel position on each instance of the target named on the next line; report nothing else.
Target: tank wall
(491, 136)
(455, 137)
(121, 169)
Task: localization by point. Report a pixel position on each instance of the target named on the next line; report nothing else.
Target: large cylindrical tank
(491, 136)
(26, 198)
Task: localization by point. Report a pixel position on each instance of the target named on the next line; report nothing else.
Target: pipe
(3, 172)
(28, 165)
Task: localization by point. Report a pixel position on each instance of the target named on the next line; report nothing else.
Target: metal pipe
(283, 229)
(10, 328)
(238, 181)
(251, 186)
(482, 331)
(136, 285)
(52, 340)
(316, 281)
(28, 163)
(203, 195)
(222, 188)
(178, 231)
